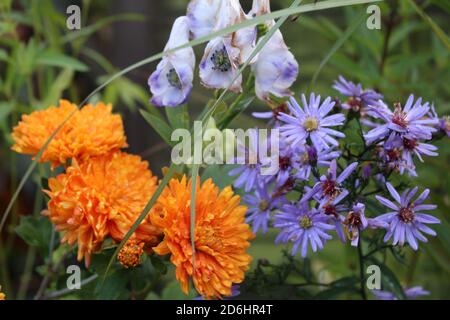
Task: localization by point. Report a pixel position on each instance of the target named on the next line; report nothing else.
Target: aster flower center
(410, 144)
(353, 219)
(174, 79)
(284, 163)
(263, 205)
(330, 188)
(311, 124)
(399, 117)
(330, 210)
(220, 60)
(306, 222)
(304, 158)
(406, 214)
(354, 103)
(281, 108)
(393, 154)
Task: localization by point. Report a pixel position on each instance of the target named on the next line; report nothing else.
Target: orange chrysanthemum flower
(91, 131)
(102, 197)
(2, 295)
(221, 236)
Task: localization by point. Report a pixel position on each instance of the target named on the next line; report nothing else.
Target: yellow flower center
(130, 254)
(311, 124)
(305, 222)
(264, 205)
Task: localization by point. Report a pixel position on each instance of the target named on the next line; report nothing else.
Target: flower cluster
(274, 67)
(103, 191)
(322, 186)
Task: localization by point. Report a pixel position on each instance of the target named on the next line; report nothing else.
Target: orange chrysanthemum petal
(91, 131)
(102, 197)
(221, 236)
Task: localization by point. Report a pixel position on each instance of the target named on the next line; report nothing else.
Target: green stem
(361, 270)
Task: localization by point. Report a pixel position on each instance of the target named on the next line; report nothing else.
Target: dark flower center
(354, 103)
(174, 79)
(284, 163)
(330, 188)
(330, 210)
(281, 108)
(393, 154)
(263, 205)
(410, 144)
(353, 219)
(399, 117)
(406, 214)
(220, 60)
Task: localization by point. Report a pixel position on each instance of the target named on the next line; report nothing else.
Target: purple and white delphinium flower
(358, 98)
(406, 222)
(171, 82)
(330, 186)
(306, 157)
(408, 121)
(312, 122)
(203, 16)
(302, 226)
(410, 293)
(220, 62)
(275, 69)
(261, 204)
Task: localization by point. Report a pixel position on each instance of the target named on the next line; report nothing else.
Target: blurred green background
(42, 61)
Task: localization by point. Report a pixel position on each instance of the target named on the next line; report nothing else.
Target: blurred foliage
(41, 62)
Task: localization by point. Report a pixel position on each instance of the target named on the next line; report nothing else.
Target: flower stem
(361, 271)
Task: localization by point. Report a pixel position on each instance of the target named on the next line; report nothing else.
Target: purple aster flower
(410, 293)
(285, 163)
(261, 203)
(306, 157)
(249, 170)
(356, 221)
(443, 123)
(330, 186)
(301, 226)
(406, 221)
(332, 209)
(408, 121)
(358, 97)
(171, 82)
(390, 154)
(312, 122)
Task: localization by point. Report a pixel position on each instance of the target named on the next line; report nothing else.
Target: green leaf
(436, 29)
(339, 287)
(55, 59)
(114, 287)
(160, 126)
(62, 82)
(178, 117)
(159, 265)
(338, 44)
(389, 279)
(36, 232)
(173, 292)
(234, 112)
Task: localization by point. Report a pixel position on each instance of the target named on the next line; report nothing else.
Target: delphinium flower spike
(171, 83)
